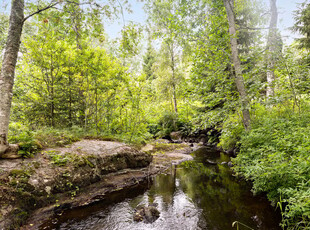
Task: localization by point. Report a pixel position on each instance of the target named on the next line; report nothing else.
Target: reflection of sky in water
(179, 214)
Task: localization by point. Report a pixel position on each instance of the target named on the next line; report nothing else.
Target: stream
(194, 195)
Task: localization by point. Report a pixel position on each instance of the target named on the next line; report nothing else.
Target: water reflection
(223, 198)
(194, 195)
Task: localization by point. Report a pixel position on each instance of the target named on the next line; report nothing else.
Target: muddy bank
(32, 190)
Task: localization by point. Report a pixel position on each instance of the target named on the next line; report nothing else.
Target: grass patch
(63, 159)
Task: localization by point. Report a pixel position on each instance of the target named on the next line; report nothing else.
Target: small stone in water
(148, 214)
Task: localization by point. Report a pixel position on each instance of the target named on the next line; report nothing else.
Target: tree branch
(253, 28)
(82, 3)
(122, 11)
(41, 10)
(52, 5)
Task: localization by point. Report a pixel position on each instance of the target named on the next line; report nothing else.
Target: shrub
(24, 137)
(51, 137)
(169, 122)
(275, 156)
(231, 132)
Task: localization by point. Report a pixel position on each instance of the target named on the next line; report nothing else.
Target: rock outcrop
(53, 174)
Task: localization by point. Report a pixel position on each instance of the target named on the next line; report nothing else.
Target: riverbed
(198, 194)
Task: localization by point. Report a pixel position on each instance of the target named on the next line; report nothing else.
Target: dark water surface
(193, 195)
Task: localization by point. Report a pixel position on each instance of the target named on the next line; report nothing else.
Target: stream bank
(32, 190)
(194, 195)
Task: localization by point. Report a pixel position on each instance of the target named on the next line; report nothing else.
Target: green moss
(88, 162)
(163, 147)
(19, 173)
(57, 158)
(36, 164)
(19, 217)
(64, 159)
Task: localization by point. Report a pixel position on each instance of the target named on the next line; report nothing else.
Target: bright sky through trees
(285, 8)
(138, 16)
(286, 17)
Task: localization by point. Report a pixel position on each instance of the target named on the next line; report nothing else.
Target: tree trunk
(271, 45)
(236, 62)
(8, 69)
(175, 105)
(174, 94)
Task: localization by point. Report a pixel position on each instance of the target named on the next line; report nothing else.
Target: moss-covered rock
(37, 181)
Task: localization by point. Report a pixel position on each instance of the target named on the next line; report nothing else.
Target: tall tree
(16, 23)
(229, 6)
(302, 25)
(8, 69)
(148, 61)
(272, 48)
(165, 24)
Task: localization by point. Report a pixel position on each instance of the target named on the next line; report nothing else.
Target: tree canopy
(195, 65)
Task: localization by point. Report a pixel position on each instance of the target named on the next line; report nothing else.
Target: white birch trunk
(8, 69)
(236, 62)
(272, 49)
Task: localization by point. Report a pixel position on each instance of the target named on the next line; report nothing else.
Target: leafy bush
(275, 156)
(168, 123)
(231, 132)
(297, 211)
(51, 137)
(21, 135)
(153, 129)
(30, 141)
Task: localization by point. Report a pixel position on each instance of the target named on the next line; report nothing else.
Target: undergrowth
(31, 141)
(275, 156)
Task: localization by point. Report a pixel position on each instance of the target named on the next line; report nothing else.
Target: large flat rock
(27, 184)
(83, 163)
(85, 172)
(96, 147)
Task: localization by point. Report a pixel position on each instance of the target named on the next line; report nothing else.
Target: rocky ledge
(34, 189)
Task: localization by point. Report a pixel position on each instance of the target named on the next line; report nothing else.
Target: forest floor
(34, 189)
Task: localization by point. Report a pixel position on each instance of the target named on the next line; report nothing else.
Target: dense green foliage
(275, 156)
(63, 81)
(73, 82)
(302, 24)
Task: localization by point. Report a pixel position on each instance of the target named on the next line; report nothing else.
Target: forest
(194, 65)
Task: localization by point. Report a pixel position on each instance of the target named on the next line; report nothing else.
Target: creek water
(195, 195)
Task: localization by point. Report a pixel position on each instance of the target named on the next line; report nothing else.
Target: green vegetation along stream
(193, 195)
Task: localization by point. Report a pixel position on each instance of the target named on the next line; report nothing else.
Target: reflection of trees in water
(222, 197)
(194, 195)
(164, 186)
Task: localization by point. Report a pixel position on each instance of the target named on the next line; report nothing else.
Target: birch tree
(229, 6)
(272, 48)
(8, 69)
(165, 24)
